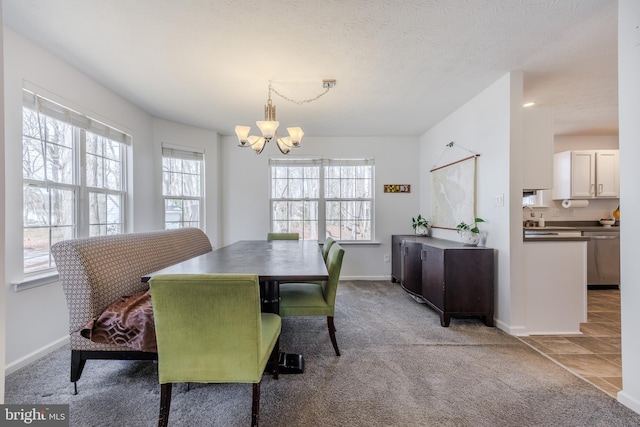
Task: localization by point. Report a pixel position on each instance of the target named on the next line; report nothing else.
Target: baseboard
(33, 356)
(511, 330)
(367, 278)
(629, 401)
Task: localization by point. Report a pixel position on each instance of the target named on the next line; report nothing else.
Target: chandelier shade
(243, 134)
(257, 143)
(269, 126)
(296, 135)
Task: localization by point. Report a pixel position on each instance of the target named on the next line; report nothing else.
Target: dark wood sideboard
(455, 280)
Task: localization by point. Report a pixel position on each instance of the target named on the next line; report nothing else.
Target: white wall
(37, 319)
(629, 106)
(2, 224)
(165, 131)
(490, 124)
(245, 211)
(584, 142)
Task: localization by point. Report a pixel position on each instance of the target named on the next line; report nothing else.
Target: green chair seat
(271, 326)
(300, 299)
(313, 299)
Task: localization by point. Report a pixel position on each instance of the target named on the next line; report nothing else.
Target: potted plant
(420, 225)
(469, 233)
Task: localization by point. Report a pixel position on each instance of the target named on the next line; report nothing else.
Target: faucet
(529, 223)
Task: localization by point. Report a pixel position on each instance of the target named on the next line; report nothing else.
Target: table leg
(270, 295)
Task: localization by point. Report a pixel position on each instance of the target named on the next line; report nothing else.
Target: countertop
(569, 226)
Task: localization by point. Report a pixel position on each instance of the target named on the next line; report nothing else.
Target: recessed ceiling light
(529, 104)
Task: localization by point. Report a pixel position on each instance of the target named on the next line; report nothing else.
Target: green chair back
(325, 248)
(209, 328)
(283, 236)
(311, 298)
(334, 265)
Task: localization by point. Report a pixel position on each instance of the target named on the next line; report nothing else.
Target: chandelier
(269, 126)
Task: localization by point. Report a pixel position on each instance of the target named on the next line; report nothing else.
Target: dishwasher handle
(604, 237)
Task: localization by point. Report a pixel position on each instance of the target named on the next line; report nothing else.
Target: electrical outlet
(387, 258)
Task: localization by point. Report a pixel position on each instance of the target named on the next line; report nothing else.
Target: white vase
(421, 230)
(469, 238)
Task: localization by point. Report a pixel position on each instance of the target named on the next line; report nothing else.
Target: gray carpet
(398, 368)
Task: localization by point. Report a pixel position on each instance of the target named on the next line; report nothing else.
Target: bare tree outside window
(318, 199)
(182, 188)
(104, 175)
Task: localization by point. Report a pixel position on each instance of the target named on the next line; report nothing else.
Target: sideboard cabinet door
(433, 276)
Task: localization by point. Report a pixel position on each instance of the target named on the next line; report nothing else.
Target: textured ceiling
(400, 65)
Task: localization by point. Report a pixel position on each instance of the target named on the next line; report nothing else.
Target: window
(182, 187)
(73, 179)
(318, 198)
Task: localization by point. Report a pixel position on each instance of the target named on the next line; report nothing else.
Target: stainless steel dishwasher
(603, 258)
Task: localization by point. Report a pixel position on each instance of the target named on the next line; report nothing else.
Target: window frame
(44, 110)
(189, 154)
(322, 198)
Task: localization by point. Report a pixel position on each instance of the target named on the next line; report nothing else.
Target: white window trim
(321, 163)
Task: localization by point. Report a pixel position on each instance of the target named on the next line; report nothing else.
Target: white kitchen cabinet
(586, 174)
(607, 173)
(537, 172)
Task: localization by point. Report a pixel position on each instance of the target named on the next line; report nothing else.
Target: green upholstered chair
(309, 299)
(209, 329)
(327, 245)
(283, 236)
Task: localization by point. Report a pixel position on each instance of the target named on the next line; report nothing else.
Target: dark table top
(277, 260)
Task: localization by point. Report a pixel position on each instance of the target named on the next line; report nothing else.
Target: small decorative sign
(397, 188)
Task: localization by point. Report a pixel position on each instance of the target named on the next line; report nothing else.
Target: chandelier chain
(304, 101)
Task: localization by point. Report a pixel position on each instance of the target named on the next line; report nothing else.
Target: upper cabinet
(538, 148)
(586, 174)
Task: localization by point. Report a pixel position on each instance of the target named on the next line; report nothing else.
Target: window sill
(35, 281)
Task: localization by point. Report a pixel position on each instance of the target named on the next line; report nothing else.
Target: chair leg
(255, 407)
(332, 334)
(165, 404)
(274, 360)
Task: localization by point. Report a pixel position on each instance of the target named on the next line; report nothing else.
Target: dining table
(273, 261)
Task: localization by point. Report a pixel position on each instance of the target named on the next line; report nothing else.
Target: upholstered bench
(100, 273)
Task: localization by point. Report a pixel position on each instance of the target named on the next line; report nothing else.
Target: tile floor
(594, 355)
